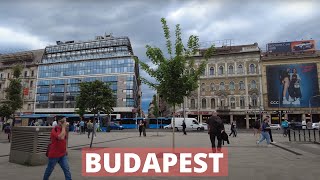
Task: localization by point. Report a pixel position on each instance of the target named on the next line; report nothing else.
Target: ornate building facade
(231, 86)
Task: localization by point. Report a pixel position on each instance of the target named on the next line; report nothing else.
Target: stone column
(286, 116)
(247, 121)
(231, 118)
(304, 117)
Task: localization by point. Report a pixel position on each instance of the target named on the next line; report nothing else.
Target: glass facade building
(65, 65)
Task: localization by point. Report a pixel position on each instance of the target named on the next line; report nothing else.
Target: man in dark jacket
(215, 128)
(184, 127)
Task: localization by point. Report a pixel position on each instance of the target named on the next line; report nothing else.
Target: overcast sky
(33, 24)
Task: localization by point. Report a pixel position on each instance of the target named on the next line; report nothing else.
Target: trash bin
(29, 145)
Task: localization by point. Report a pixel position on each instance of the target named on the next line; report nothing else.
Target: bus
(128, 123)
(162, 121)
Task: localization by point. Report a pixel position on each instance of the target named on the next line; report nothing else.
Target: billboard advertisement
(295, 46)
(292, 85)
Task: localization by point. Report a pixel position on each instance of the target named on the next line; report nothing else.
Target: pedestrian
(90, 128)
(140, 127)
(54, 122)
(215, 130)
(269, 129)
(184, 127)
(233, 129)
(144, 128)
(264, 132)
(82, 126)
(256, 129)
(57, 150)
(285, 125)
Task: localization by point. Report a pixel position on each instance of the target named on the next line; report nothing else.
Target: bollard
(294, 135)
(309, 135)
(290, 135)
(304, 135)
(299, 135)
(314, 134)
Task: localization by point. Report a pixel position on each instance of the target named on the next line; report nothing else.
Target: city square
(246, 159)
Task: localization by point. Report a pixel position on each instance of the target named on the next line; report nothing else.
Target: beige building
(231, 86)
(28, 60)
(296, 101)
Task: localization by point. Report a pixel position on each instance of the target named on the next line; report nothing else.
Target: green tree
(13, 100)
(176, 76)
(5, 111)
(95, 97)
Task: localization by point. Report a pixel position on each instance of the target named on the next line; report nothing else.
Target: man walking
(90, 128)
(81, 126)
(57, 150)
(184, 126)
(215, 129)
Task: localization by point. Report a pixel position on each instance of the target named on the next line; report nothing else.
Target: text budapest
(154, 162)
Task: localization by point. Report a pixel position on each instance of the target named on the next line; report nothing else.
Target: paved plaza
(283, 160)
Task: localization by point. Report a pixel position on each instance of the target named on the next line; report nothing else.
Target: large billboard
(295, 46)
(292, 85)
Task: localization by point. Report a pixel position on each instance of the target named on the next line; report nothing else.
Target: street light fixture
(310, 105)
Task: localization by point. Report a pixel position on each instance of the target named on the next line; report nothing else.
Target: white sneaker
(274, 142)
(285, 101)
(269, 145)
(291, 99)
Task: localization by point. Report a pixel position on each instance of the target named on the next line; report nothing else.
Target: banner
(294, 46)
(292, 85)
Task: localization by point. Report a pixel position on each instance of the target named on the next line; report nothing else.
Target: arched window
(242, 102)
(240, 69)
(241, 84)
(222, 101)
(204, 103)
(213, 103)
(231, 86)
(203, 87)
(252, 69)
(253, 84)
(212, 87)
(211, 71)
(193, 104)
(230, 70)
(221, 70)
(233, 102)
(221, 86)
(254, 101)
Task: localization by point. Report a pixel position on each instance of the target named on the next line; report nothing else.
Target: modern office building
(66, 64)
(231, 86)
(29, 61)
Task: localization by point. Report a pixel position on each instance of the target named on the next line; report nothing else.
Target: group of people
(86, 126)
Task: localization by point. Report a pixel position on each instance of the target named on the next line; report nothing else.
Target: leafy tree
(13, 100)
(95, 97)
(5, 111)
(178, 75)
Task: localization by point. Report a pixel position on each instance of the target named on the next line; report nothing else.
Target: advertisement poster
(295, 46)
(292, 85)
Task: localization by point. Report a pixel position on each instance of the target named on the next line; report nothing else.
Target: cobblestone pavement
(246, 160)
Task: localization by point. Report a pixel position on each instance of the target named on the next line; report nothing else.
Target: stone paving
(246, 159)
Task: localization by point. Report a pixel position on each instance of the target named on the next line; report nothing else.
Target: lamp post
(310, 105)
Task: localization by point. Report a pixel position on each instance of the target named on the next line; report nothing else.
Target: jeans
(213, 141)
(264, 135)
(63, 162)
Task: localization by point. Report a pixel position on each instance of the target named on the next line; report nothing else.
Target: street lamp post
(310, 105)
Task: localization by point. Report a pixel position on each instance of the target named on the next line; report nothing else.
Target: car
(275, 126)
(315, 125)
(205, 126)
(303, 46)
(115, 126)
(167, 127)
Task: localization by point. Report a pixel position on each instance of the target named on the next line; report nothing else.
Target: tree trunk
(173, 126)
(94, 123)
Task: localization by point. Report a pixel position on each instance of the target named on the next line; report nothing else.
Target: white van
(191, 124)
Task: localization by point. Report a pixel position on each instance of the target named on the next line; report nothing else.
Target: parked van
(191, 124)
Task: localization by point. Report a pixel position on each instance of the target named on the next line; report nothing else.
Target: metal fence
(304, 135)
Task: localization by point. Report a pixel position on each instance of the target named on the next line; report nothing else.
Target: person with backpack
(57, 150)
(285, 125)
(215, 130)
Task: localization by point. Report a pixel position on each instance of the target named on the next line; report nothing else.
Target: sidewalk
(246, 159)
